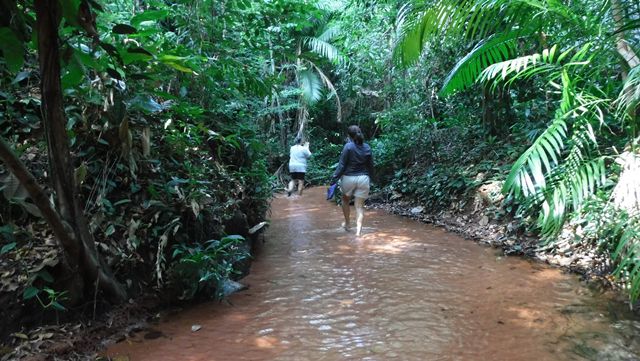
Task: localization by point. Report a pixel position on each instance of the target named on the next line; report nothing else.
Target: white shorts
(355, 186)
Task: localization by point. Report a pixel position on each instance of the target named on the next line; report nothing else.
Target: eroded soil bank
(405, 290)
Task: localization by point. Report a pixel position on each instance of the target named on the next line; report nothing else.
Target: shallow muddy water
(402, 291)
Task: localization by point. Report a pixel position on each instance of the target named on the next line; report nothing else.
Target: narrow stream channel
(402, 291)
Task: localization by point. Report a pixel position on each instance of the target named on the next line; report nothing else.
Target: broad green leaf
(29, 293)
(21, 76)
(110, 230)
(149, 15)
(8, 247)
(31, 209)
(233, 237)
(70, 10)
(45, 276)
(58, 306)
(73, 74)
(124, 29)
(12, 50)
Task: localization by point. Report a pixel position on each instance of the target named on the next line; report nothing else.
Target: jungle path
(403, 291)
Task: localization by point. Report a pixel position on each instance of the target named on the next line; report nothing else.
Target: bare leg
(359, 203)
(290, 187)
(300, 186)
(345, 211)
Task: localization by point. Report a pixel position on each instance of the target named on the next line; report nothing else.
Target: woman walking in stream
(354, 171)
(298, 156)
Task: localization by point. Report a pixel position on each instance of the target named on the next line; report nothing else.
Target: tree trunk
(81, 248)
(488, 112)
(629, 56)
(626, 194)
(627, 53)
(39, 198)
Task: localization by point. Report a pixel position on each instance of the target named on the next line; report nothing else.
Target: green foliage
(562, 166)
(205, 267)
(310, 85)
(489, 51)
(616, 233)
(47, 297)
(166, 114)
(12, 49)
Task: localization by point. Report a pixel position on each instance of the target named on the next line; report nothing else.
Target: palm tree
(577, 42)
(314, 45)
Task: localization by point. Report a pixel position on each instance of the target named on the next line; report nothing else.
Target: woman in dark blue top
(354, 172)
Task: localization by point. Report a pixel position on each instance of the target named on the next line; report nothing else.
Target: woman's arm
(341, 164)
(307, 152)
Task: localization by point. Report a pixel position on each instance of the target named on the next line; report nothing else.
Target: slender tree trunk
(39, 198)
(630, 57)
(303, 112)
(626, 194)
(81, 249)
(276, 101)
(627, 53)
(507, 105)
(488, 113)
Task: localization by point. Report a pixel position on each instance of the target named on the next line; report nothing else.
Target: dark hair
(298, 140)
(356, 134)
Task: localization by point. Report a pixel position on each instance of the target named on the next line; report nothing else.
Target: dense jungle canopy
(141, 140)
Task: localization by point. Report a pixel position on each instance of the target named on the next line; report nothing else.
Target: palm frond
(310, 85)
(558, 170)
(569, 186)
(467, 19)
(329, 33)
(332, 90)
(626, 253)
(524, 67)
(465, 73)
(323, 48)
(527, 174)
(473, 20)
(629, 96)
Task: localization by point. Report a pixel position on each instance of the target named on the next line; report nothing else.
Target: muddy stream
(403, 291)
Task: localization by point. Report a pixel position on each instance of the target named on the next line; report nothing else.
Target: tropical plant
(164, 112)
(562, 167)
(313, 44)
(565, 47)
(208, 266)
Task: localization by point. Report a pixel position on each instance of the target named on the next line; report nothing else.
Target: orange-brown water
(402, 291)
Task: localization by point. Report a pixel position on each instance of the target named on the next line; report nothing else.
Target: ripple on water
(403, 291)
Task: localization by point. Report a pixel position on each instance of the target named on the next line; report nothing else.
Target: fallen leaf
(257, 227)
(20, 335)
(417, 210)
(195, 328)
(44, 336)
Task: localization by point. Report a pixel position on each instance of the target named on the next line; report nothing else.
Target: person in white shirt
(298, 156)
